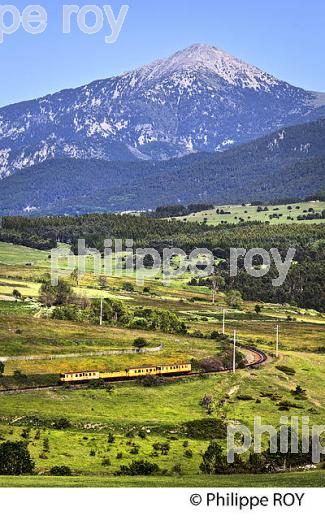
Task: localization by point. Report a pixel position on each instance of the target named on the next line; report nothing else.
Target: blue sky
(285, 38)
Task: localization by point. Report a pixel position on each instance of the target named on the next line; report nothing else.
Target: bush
(206, 429)
(287, 370)
(177, 469)
(110, 438)
(62, 423)
(163, 447)
(244, 397)
(67, 312)
(188, 454)
(218, 335)
(140, 343)
(19, 375)
(127, 286)
(139, 467)
(61, 294)
(60, 471)
(151, 380)
(234, 299)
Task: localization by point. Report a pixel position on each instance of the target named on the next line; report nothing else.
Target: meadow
(233, 214)
(138, 417)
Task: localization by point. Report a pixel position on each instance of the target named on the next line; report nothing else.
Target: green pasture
(249, 213)
(293, 479)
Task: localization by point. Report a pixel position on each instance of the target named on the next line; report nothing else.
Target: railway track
(258, 358)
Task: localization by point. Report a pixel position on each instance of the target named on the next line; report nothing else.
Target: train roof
(81, 372)
(130, 368)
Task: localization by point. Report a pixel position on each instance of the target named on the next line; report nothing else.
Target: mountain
(201, 99)
(289, 163)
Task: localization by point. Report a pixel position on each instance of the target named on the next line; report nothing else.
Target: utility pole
(277, 342)
(234, 355)
(101, 312)
(223, 321)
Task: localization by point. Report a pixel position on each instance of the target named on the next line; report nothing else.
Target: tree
(128, 286)
(215, 462)
(217, 283)
(16, 294)
(112, 311)
(2, 368)
(258, 309)
(234, 299)
(15, 459)
(102, 282)
(140, 343)
(60, 294)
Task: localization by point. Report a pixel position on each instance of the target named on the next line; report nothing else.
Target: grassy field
(237, 213)
(127, 409)
(287, 480)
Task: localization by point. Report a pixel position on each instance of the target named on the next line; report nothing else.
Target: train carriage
(129, 373)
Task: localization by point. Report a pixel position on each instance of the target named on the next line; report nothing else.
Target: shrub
(60, 471)
(244, 397)
(140, 342)
(19, 375)
(206, 429)
(188, 454)
(151, 380)
(106, 462)
(218, 335)
(177, 469)
(127, 286)
(139, 467)
(62, 423)
(285, 405)
(110, 438)
(67, 312)
(61, 294)
(163, 447)
(287, 370)
(234, 299)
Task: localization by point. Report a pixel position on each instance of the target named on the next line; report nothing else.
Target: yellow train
(129, 373)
